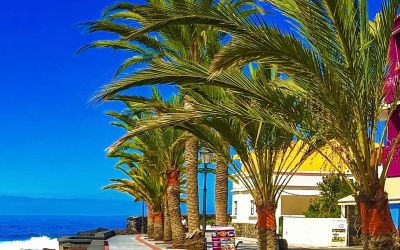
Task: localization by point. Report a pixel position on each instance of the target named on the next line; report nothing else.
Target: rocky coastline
(97, 238)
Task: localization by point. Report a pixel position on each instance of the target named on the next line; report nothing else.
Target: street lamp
(206, 157)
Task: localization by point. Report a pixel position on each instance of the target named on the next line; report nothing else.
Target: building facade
(295, 199)
(293, 202)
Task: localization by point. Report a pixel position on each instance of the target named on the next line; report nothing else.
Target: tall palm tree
(270, 155)
(221, 192)
(197, 43)
(167, 221)
(336, 59)
(161, 151)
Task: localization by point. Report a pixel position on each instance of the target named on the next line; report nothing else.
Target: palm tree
(161, 151)
(175, 45)
(147, 187)
(167, 221)
(221, 192)
(197, 43)
(336, 59)
(265, 153)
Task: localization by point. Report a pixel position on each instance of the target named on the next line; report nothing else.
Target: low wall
(245, 230)
(134, 225)
(316, 232)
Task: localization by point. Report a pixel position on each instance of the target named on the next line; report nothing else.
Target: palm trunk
(158, 226)
(150, 223)
(266, 224)
(195, 239)
(221, 193)
(167, 222)
(191, 158)
(377, 225)
(173, 192)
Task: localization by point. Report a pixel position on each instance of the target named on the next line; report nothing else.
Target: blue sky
(52, 139)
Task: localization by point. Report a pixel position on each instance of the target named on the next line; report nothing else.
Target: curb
(139, 239)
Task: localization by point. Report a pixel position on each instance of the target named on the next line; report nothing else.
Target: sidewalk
(141, 242)
(248, 243)
(125, 242)
(135, 242)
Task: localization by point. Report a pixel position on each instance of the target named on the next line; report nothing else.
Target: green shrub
(333, 188)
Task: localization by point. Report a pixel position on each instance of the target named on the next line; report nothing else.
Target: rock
(92, 232)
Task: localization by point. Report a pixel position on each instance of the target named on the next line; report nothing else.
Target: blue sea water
(23, 227)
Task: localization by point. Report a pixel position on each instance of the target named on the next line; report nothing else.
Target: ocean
(39, 231)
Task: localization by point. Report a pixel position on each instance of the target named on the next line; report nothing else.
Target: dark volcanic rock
(92, 232)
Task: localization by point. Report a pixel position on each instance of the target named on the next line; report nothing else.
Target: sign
(223, 238)
(339, 233)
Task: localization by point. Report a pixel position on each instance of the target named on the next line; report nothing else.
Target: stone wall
(134, 225)
(245, 230)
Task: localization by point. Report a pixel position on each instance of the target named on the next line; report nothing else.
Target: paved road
(125, 242)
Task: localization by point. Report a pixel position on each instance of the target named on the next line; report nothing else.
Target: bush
(333, 188)
(210, 222)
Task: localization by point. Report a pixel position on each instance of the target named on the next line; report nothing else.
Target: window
(252, 208)
(235, 207)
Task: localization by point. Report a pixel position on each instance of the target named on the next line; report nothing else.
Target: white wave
(34, 243)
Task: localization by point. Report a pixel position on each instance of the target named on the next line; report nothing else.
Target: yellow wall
(316, 162)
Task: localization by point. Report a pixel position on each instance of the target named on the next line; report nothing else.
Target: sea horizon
(25, 227)
(24, 205)
(39, 231)
(85, 215)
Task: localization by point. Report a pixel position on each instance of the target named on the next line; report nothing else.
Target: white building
(294, 201)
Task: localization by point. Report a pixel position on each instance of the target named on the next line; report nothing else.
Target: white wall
(243, 208)
(304, 180)
(316, 232)
(298, 185)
